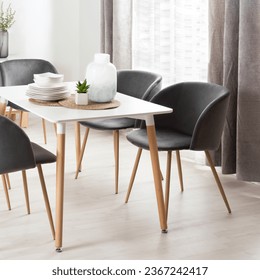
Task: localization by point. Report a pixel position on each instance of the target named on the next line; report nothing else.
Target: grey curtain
(116, 31)
(234, 40)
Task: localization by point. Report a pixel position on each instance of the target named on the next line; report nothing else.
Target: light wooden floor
(98, 225)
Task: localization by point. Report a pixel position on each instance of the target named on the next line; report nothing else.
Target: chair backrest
(20, 71)
(15, 148)
(199, 110)
(139, 84)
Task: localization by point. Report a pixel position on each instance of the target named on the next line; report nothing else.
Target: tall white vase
(102, 78)
(3, 44)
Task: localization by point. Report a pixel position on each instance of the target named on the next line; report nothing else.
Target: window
(171, 37)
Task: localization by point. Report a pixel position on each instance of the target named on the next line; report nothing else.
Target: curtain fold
(235, 62)
(116, 31)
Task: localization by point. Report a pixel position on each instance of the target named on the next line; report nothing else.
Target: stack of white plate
(48, 87)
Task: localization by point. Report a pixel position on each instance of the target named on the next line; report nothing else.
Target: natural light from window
(171, 37)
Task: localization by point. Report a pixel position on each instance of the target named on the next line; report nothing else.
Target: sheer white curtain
(171, 37)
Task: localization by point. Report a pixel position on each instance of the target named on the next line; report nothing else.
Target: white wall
(65, 32)
(89, 32)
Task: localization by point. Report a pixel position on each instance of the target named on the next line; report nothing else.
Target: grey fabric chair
(17, 153)
(20, 72)
(140, 84)
(199, 111)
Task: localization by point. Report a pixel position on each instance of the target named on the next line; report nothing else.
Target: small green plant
(6, 17)
(82, 87)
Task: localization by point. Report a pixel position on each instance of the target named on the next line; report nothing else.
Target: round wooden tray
(70, 103)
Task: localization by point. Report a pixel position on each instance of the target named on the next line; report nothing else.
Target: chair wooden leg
(82, 152)
(44, 131)
(179, 169)
(25, 186)
(21, 118)
(2, 108)
(10, 113)
(25, 119)
(137, 159)
(167, 183)
(116, 155)
(217, 180)
(161, 175)
(8, 181)
(46, 200)
(6, 192)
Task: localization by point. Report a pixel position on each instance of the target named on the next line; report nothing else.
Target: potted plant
(81, 96)
(6, 21)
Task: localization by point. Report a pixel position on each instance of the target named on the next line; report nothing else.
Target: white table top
(129, 107)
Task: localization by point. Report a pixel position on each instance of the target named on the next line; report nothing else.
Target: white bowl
(48, 79)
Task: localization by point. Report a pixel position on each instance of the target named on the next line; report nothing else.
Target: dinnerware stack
(48, 87)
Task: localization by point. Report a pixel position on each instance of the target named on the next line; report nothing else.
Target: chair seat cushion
(112, 124)
(167, 140)
(41, 155)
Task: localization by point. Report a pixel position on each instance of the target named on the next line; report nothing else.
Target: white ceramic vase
(102, 78)
(3, 44)
(81, 98)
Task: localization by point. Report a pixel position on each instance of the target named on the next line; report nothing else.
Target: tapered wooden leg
(77, 145)
(2, 106)
(10, 112)
(217, 180)
(82, 152)
(161, 175)
(46, 199)
(24, 121)
(21, 118)
(8, 181)
(6, 192)
(44, 131)
(2, 113)
(167, 183)
(26, 194)
(116, 154)
(137, 160)
(156, 171)
(60, 185)
(179, 169)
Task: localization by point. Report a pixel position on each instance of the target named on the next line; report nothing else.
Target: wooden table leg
(77, 143)
(61, 127)
(156, 171)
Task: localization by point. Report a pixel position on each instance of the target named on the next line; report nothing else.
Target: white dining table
(129, 107)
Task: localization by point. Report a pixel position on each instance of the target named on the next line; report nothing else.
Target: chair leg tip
(164, 230)
(59, 249)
